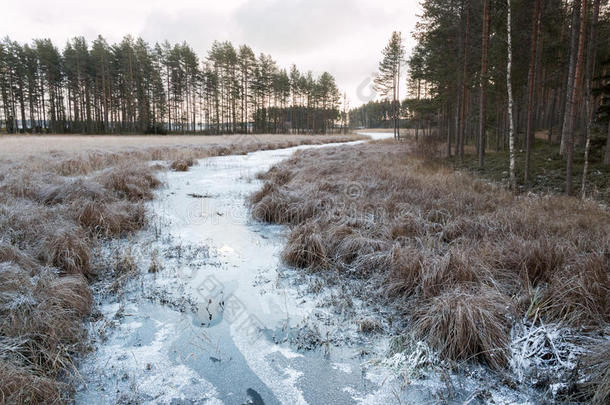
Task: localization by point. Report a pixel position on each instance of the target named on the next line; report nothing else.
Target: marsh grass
(181, 165)
(47, 239)
(463, 259)
(597, 366)
(56, 209)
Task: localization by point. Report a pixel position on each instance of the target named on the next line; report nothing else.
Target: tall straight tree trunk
(574, 107)
(169, 104)
(417, 119)
(458, 92)
(509, 87)
(246, 104)
(398, 106)
(449, 130)
(588, 77)
(394, 107)
(458, 109)
(559, 83)
(484, 68)
(553, 107)
(462, 133)
(22, 108)
(607, 157)
(105, 98)
(498, 125)
(531, 86)
(566, 109)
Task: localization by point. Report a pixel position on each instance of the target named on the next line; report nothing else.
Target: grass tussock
(72, 190)
(110, 219)
(579, 295)
(305, 248)
(181, 165)
(23, 386)
(40, 327)
(464, 324)
(130, 182)
(68, 250)
(462, 258)
(597, 365)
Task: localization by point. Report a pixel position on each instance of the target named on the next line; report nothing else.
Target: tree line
(133, 87)
(380, 114)
(374, 114)
(551, 57)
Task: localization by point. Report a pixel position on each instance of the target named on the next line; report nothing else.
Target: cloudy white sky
(344, 37)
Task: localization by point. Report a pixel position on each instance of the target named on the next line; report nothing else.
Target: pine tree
(484, 79)
(590, 67)
(247, 60)
(133, 87)
(509, 86)
(387, 81)
(531, 85)
(575, 96)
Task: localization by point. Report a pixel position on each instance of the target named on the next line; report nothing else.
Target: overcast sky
(343, 37)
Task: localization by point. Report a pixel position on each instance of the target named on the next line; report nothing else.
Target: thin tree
(509, 87)
(607, 155)
(484, 79)
(575, 93)
(531, 86)
(247, 59)
(567, 107)
(590, 68)
(387, 80)
(462, 132)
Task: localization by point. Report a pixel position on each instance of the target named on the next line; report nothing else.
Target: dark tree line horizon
(560, 77)
(133, 87)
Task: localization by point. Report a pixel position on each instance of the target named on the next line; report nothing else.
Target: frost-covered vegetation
(56, 211)
(476, 272)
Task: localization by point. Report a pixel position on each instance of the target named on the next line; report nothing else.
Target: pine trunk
(462, 134)
(509, 86)
(569, 101)
(575, 93)
(607, 157)
(531, 86)
(484, 68)
(588, 96)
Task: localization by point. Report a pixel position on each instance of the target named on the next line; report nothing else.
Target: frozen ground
(215, 318)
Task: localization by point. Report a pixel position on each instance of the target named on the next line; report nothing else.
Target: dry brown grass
(463, 324)
(134, 182)
(597, 365)
(40, 326)
(72, 190)
(462, 258)
(55, 209)
(23, 386)
(25, 145)
(11, 254)
(181, 165)
(306, 248)
(110, 219)
(67, 249)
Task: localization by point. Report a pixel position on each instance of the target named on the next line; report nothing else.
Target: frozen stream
(221, 320)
